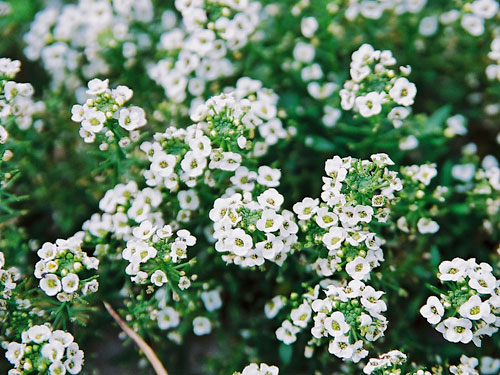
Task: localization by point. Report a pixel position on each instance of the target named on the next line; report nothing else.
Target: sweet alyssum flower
(253, 231)
(363, 94)
(44, 351)
(259, 369)
(467, 309)
(104, 111)
(340, 224)
(65, 270)
(349, 310)
(153, 252)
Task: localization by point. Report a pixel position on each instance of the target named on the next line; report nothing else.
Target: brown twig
(146, 349)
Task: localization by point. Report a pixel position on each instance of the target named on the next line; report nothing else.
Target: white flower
(39, 334)
(70, 283)
(74, 364)
(15, 353)
(144, 231)
(211, 300)
(403, 92)
(168, 318)
(53, 351)
(426, 225)
(303, 52)
(381, 160)
(334, 238)
(306, 209)
(272, 307)
(358, 269)
(239, 242)
(270, 198)
(159, 278)
(340, 347)
(370, 104)
(93, 120)
(473, 24)
(193, 164)
(267, 176)
(453, 270)
(301, 315)
(433, 310)
(457, 330)
(163, 163)
(4, 135)
(336, 325)
(97, 86)
(269, 221)
(308, 26)
(57, 368)
(485, 8)
(132, 118)
(201, 326)
(287, 332)
(50, 284)
(463, 172)
(474, 308)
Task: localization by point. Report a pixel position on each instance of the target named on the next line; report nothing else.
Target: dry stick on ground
(146, 349)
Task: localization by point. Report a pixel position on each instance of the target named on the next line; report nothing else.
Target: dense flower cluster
(61, 267)
(16, 103)
(104, 110)
(385, 364)
(349, 315)
(153, 252)
(417, 179)
(124, 207)
(472, 293)
(375, 88)
(259, 369)
(254, 231)
(197, 52)
(355, 192)
(44, 351)
(223, 136)
(70, 40)
(8, 278)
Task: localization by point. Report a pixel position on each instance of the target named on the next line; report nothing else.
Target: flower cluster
(8, 278)
(349, 316)
(484, 196)
(253, 231)
(259, 369)
(44, 351)
(222, 138)
(467, 365)
(124, 207)
(16, 103)
(385, 364)
(416, 199)
(355, 192)
(493, 70)
(61, 267)
(473, 15)
(153, 252)
(104, 113)
(71, 40)
(472, 293)
(374, 88)
(197, 52)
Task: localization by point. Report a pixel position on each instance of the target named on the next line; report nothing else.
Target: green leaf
(286, 352)
(319, 144)
(437, 119)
